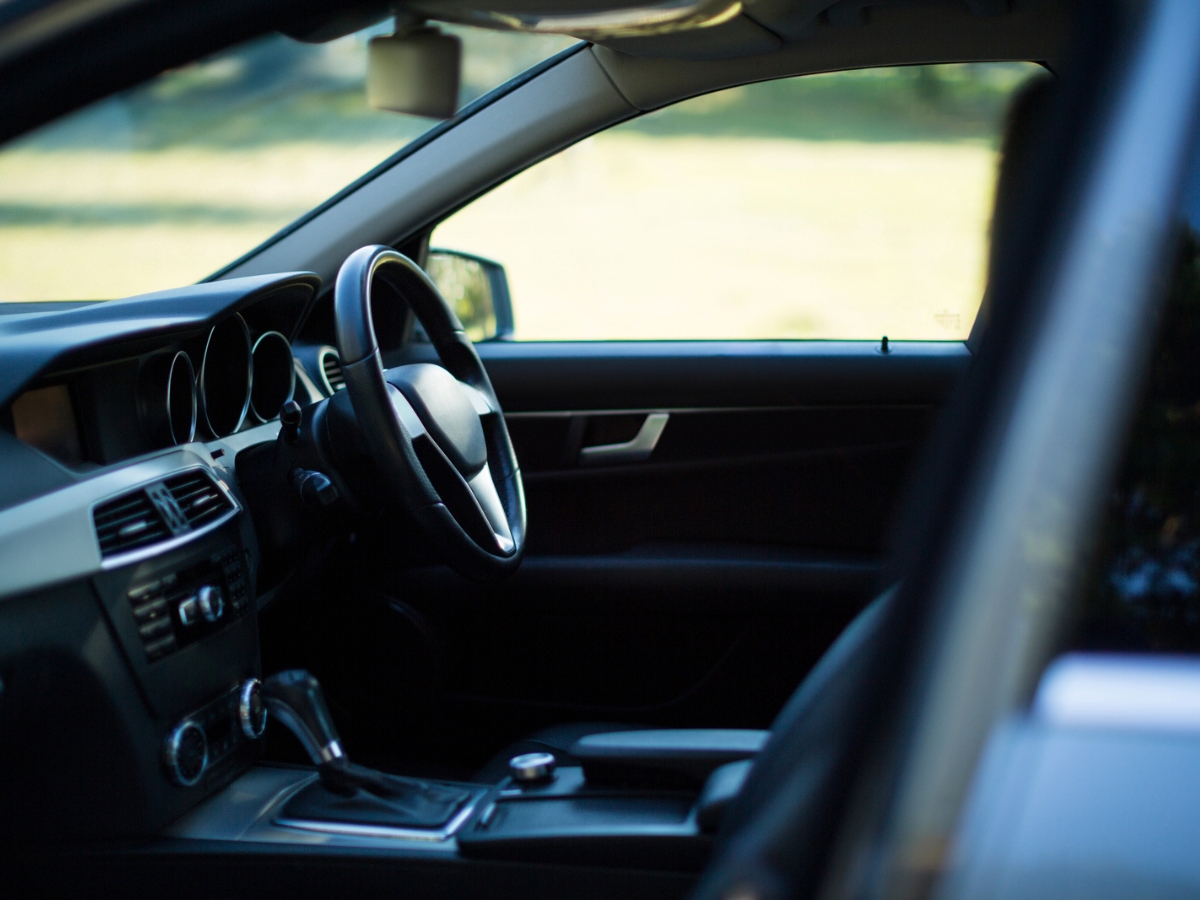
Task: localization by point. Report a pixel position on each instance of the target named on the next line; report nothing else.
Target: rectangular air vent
(175, 507)
(331, 367)
(127, 523)
(198, 498)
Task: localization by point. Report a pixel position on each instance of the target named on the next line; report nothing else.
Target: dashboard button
(151, 610)
(160, 648)
(155, 628)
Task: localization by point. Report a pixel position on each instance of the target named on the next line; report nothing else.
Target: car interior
(305, 590)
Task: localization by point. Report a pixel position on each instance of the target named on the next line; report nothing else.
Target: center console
(636, 799)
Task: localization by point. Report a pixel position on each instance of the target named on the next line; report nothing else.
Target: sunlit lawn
(87, 225)
(623, 236)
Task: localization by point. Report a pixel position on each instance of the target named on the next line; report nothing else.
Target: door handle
(636, 450)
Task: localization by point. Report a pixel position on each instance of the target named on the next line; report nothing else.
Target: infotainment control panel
(186, 620)
(178, 608)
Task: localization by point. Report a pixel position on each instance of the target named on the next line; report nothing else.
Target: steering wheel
(436, 433)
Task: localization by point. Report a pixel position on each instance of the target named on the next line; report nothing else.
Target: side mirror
(477, 289)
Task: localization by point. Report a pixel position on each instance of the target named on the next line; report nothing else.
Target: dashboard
(129, 565)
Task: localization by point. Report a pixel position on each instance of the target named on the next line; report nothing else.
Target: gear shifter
(295, 698)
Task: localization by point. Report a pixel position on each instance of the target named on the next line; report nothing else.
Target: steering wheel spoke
(484, 489)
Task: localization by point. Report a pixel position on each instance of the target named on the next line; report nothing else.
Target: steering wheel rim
(440, 443)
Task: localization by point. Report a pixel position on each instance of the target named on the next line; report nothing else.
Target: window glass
(166, 183)
(848, 205)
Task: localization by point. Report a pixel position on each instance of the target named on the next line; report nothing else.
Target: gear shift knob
(295, 698)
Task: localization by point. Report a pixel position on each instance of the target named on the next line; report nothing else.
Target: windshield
(164, 184)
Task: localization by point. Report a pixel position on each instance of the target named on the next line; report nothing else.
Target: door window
(841, 206)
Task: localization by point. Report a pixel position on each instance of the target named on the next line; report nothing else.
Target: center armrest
(690, 754)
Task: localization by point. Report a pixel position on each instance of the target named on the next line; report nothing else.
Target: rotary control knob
(531, 768)
(251, 711)
(185, 753)
(211, 603)
(208, 604)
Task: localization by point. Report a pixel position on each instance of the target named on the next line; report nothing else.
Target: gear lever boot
(350, 793)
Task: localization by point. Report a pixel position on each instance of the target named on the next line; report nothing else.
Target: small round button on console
(185, 753)
(530, 768)
(251, 712)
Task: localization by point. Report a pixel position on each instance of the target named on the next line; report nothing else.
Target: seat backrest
(810, 717)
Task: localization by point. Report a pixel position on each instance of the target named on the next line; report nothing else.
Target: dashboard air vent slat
(198, 497)
(127, 523)
(332, 368)
(173, 508)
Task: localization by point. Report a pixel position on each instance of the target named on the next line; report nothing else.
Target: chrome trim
(179, 540)
(636, 450)
(331, 751)
(531, 767)
(292, 367)
(353, 829)
(249, 377)
(323, 352)
(191, 374)
(51, 539)
(314, 392)
(644, 21)
(171, 753)
(234, 444)
(490, 504)
(245, 701)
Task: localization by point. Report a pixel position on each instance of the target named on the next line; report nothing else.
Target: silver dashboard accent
(51, 539)
(247, 810)
(279, 380)
(529, 768)
(331, 751)
(190, 374)
(354, 829)
(208, 366)
(310, 388)
(207, 603)
(180, 770)
(322, 354)
(636, 450)
(123, 559)
(251, 712)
